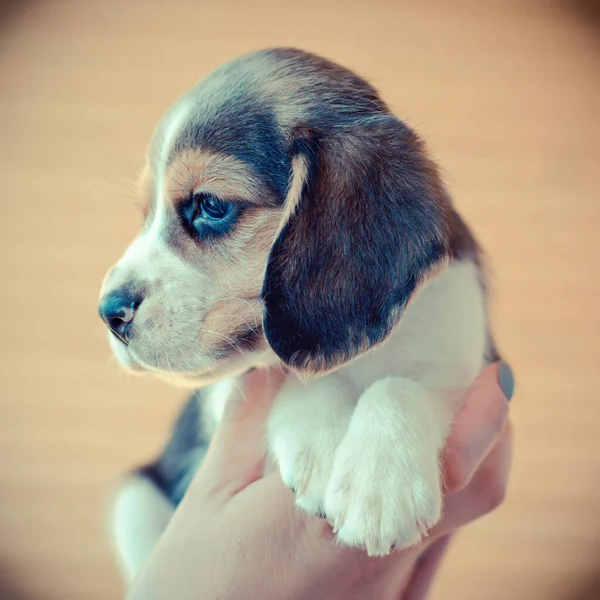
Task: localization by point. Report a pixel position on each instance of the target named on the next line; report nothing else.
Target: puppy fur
(346, 263)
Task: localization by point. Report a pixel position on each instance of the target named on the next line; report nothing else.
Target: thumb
(236, 453)
(477, 425)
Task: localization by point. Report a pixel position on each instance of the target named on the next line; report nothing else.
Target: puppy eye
(204, 216)
(209, 207)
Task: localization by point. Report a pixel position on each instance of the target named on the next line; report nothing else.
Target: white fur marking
(127, 315)
(139, 516)
(217, 396)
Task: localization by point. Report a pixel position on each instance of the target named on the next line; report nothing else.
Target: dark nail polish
(506, 379)
(292, 489)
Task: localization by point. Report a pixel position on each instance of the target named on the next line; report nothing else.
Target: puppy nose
(117, 310)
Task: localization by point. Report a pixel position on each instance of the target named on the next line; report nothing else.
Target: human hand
(237, 533)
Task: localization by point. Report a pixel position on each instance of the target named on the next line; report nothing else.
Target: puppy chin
(221, 369)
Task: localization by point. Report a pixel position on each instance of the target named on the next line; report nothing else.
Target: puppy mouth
(121, 339)
(123, 334)
(123, 354)
(204, 358)
(130, 359)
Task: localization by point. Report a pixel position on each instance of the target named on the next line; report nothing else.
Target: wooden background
(508, 95)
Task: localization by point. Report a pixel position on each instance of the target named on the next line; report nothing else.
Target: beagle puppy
(291, 219)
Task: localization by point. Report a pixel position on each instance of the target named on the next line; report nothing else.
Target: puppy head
(290, 217)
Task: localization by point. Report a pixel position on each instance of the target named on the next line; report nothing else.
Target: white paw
(305, 428)
(381, 502)
(384, 490)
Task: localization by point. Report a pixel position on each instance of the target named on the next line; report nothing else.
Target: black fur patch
(175, 468)
(242, 126)
(369, 226)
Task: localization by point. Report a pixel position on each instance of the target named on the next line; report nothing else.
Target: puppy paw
(305, 429)
(378, 504)
(384, 490)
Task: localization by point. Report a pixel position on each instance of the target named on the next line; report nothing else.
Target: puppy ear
(365, 220)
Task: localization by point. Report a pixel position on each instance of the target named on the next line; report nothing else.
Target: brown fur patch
(223, 176)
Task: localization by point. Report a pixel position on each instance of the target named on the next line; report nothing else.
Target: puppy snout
(117, 310)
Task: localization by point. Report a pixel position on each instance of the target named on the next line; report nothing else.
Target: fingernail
(506, 379)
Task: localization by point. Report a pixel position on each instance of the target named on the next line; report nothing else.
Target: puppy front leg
(305, 427)
(385, 487)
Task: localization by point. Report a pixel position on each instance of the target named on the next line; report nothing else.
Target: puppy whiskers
(252, 327)
(228, 339)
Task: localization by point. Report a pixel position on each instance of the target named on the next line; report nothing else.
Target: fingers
(236, 452)
(477, 426)
(426, 568)
(486, 490)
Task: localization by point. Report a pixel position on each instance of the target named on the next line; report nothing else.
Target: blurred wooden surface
(508, 95)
